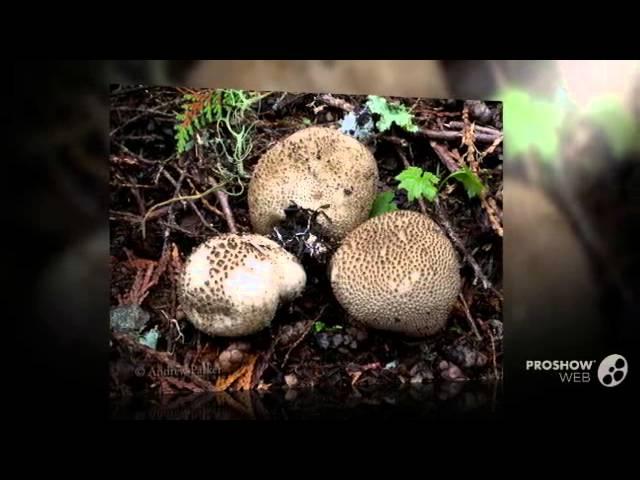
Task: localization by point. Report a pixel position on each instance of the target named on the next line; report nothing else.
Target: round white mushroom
(313, 168)
(397, 272)
(233, 284)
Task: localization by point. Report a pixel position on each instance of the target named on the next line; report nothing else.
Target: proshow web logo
(611, 371)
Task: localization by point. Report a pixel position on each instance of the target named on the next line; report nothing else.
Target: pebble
(336, 340)
(291, 380)
(452, 373)
(128, 318)
(359, 334)
(322, 340)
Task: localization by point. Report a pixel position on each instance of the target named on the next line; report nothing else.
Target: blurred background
(571, 189)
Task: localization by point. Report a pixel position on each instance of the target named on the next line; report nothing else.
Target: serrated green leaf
(472, 183)
(418, 183)
(390, 113)
(383, 203)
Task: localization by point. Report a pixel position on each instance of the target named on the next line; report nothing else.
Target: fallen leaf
(243, 375)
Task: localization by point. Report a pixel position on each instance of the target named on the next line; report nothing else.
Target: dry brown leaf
(243, 374)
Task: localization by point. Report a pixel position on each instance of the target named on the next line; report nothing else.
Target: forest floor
(311, 343)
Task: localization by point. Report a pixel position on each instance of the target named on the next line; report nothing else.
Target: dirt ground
(311, 343)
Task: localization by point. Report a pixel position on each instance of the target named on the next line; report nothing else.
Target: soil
(311, 344)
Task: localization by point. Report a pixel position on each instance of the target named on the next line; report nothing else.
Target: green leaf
(306, 121)
(390, 113)
(531, 124)
(319, 327)
(383, 204)
(418, 183)
(472, 183)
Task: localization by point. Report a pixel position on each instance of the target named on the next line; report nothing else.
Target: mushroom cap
(314, 167)
(233, 284)
(397, 272)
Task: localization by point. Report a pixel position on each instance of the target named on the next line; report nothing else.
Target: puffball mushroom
(233, 284)
(397, 272)
(312, 168)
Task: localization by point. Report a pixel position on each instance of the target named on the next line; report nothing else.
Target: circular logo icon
(613, 370)
(139, 371)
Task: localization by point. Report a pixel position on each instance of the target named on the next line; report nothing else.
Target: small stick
(493, 353)
(337, 103)
(456, 125)
(450, 136)
(445, 157)
(223, 198)
(304, 334)
(469, 317)
(468, 257)
(211, 208)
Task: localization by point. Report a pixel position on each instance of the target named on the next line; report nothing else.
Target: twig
(490, 149)
(211, 208)
(468, 257)
(223, 198)
(337, 103)
(304, 334)
(456, 125)
(450, 136)
(423, 206)
(493, 353)
(136, 156)
(491, 208)
(145, 111)
(163, 358)
(171, 215)
(196, 196)
(445, 157)
(469, 317)
(191, 204)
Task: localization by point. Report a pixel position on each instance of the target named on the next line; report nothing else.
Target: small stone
(128, 318)
(353, 345)
(417, 378)
(428, 375)
(323, 340)
(336, 340)
(236, 356)
(443, 365)
(470, 357)
(291, 380)
(346, 339)
(452, 373)
(329, 117)
(390, 365)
